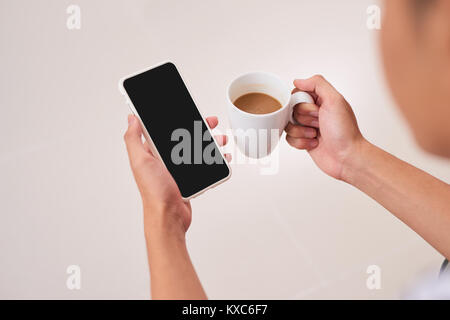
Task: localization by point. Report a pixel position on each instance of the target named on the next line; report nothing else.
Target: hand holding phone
(160, 195)
(166, 220)
(175, 131)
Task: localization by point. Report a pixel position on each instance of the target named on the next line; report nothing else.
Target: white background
(66, 191)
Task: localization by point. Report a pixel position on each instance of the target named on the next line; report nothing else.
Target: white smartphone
(174, 128)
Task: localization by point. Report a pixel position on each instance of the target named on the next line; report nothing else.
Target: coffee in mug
(257, 103)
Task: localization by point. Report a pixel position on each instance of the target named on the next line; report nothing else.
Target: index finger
(313, 94)
(318, 85)
(133, 137)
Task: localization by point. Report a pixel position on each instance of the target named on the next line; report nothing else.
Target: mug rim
(264, 115)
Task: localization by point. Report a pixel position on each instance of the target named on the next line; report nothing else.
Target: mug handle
(296, 98)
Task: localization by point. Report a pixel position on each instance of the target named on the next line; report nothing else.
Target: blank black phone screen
(176, 128)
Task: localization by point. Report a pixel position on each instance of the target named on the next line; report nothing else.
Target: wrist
(162, 224)
(356, 161)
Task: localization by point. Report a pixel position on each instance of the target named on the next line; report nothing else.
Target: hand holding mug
(339, 137)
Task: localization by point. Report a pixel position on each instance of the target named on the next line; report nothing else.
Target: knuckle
(319, 77)
(126, 136)
(288, 139)
(295, 142)
(138, 163)
(337, 98)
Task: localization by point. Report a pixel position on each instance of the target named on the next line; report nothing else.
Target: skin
(166, 219)
(416, 56)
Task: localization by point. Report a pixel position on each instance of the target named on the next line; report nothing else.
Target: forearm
(172, 274)
(415, 197)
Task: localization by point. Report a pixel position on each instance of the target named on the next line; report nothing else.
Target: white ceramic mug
(257, 135)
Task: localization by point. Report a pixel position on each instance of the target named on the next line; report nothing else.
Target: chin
(434, 146)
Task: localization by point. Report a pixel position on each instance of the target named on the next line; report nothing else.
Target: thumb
(133, 138)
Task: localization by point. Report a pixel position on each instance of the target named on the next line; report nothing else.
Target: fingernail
(130, 119)
(314, 113)
(314, 143)
(315, 123)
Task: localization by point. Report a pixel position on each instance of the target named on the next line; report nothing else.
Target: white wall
(67, 194)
